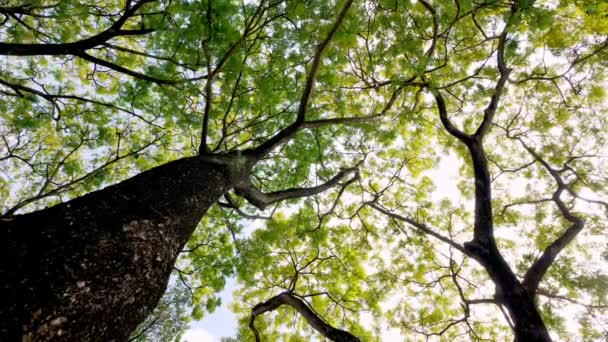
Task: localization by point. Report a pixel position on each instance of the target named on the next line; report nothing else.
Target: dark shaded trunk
(528, 324)
(93, 268)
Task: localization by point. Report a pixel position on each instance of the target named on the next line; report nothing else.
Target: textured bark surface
(313, 319)
(527, 322)
(93, 268)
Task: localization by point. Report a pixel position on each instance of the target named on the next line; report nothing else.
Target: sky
(221, 323)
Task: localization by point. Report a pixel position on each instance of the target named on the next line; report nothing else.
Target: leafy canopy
(154, 78)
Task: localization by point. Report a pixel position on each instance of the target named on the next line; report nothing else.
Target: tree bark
(313, 319)
(528, 325)
(93, 268)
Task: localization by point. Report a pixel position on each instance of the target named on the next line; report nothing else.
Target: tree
(169, 320)
(95, 267)
(231, 106)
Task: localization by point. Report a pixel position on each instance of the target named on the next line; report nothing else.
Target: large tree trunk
(528, 325)
(93, 268)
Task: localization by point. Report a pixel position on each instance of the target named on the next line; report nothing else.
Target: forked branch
(536, 272)
(316, 322)
(287, 133)
(445, 121)
(261, 200)
(490, 111)
(74, 48)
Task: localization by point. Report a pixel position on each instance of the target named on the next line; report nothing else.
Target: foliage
(169, 320)
(74, 122)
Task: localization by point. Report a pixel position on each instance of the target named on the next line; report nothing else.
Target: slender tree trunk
(93, 268)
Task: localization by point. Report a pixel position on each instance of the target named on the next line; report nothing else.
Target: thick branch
(538, 269)
(287, 133)
(261, 200)
(73, 48)
(483, 208)
(535, 273)
(303, 309)
(528, 324)
(230, 204)
(483, 197)
(490, 111)
(80, 47)
(422, 227)
(447, 124)
(121, 69)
